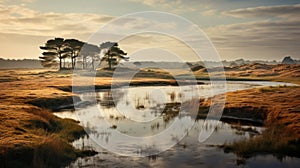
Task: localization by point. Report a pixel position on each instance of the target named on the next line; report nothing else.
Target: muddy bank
(136, 83)
(56, 104)
(247, 115)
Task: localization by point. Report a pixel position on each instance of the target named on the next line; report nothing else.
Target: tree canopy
(112, 54)
(54, 49)
(73, 53)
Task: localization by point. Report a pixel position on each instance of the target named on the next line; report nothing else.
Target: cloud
(281, 11)
(269, 38)
(23, 30)
(28, 1)
(269, 32)
(262, 33)
(275, 33)
(153, 41)
(210, 12)
(19, 23)
(21, 20)
(178, 6)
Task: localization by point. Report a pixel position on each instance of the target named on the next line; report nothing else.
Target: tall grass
(276, 140)
(272, 88)
(53, 152)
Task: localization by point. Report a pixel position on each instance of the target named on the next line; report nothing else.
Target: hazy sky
(249, 29)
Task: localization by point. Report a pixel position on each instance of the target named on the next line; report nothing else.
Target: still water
(117, 121)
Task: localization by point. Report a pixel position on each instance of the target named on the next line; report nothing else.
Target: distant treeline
(34, 63)
(19, 63)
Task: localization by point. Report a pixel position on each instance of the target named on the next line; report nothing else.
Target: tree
(73, 47)
(288, 60)
(54, 49)
(112, 54)
(89, 53)
(48, 59)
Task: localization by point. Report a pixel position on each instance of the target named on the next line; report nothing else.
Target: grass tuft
(276, 140)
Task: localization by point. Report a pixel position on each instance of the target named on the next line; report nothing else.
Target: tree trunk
(109, 64)
(93, 64)
(72, 61)
(60, 63)
(83, 60)
(60, 58)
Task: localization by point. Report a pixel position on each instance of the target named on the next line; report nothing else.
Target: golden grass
(26, 129)
(279, 108)
(279, 73)
(29, 128)
(276, 140)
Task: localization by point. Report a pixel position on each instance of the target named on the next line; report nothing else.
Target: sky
(248, 29)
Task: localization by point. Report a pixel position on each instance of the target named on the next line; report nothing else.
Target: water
(141, 112)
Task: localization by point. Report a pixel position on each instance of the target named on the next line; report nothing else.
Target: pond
(124, 120)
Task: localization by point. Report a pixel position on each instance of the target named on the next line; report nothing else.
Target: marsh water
(113, 117)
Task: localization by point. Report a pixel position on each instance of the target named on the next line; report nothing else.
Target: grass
(138, 73)
(170, 111)
(53, 152)
(276, 140)
(273, 88)
(68, 129)
(50, 151)
(265, 89)
(30, 136)
(55, 104)
(278, 107)
(250, 72)
(41, 141)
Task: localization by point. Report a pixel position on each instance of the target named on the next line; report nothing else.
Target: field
(30, 133)
(28, 127)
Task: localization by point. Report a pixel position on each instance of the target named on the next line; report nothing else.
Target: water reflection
(158, 112)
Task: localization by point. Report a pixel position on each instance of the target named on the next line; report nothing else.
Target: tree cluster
(73, 53)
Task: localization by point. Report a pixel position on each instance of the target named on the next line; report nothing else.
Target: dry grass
(279, 108)
(276, 139)
(281, 73)
(263, 72)
(30, 135)
(26, 129)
